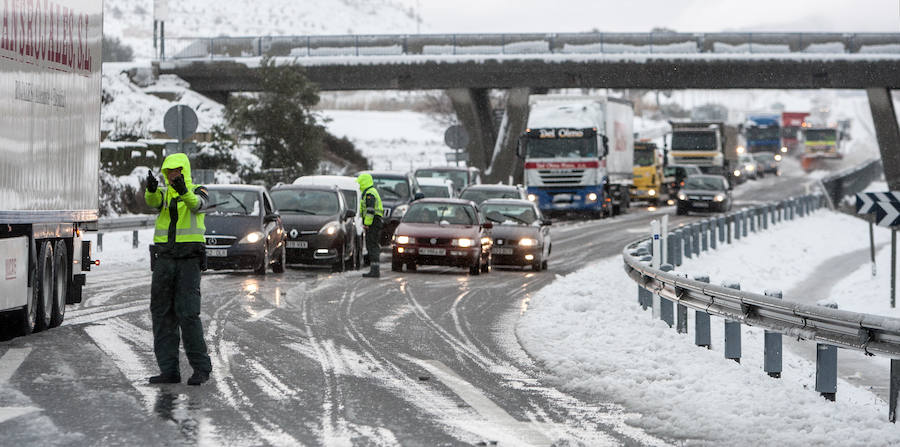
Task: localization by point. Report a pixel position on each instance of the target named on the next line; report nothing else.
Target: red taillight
(682, 183)
(97, 263)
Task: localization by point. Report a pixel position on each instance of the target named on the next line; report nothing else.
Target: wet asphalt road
(316, 358)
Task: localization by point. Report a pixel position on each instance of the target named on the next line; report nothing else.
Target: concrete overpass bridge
(467, 66)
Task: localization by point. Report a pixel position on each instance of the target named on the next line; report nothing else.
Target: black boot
(165, 378)
(198, 378)
(374, 271)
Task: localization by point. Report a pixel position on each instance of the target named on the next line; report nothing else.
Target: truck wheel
(28, 316)
(43, 287)
(60, 283)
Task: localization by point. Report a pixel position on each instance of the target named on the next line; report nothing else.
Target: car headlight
(251, 238)
(330, 229)
(778, 157)
(719, 198)
(682, 196)
(463, 242)
(740, 149)
(533, 198)
(592, 197)
(784, 149)
(527, 242)
(751, 168)
(651, 193)
(405, 240)
(485, 241)
(737, 172)
(399, 211)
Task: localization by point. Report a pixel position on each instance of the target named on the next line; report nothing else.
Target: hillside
(132, 20)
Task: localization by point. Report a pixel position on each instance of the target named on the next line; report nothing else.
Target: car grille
(220, 241)
(433, 241)
(700, 197)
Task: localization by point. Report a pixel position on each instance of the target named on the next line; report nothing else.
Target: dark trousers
(175, 311)
(373, 238)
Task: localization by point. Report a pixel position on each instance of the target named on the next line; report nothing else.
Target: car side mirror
(271, 217)
(546, 222)
(487, 225)
(349, 214)
(519, 148)
(419, 196)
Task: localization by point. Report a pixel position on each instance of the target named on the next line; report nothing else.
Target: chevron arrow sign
(887, 214)
(865, 201)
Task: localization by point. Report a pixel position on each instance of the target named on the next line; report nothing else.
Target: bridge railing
(829, 327)
(533, 43)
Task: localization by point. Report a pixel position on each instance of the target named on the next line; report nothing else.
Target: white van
(350, 190)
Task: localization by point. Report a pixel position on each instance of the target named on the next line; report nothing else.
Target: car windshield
(705, 183)
(460, 179)
(440, 213)
(510, 214)
(435, 191)
(821, 135)
(745, 159)
(694, 141)
(233, 201)
(562, 147)
(479, 195)
(307, 202)
(763, 133)
(643, 157)
(392, 188)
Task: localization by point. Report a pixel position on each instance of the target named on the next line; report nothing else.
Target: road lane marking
(11, 361)
(526, 432)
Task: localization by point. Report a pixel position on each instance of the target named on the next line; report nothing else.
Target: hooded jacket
(180, 215)
(370, 205)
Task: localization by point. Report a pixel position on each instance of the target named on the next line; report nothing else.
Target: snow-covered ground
(588, 331)
(118, 254)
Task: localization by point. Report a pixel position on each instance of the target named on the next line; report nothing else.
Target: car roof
(432, 181)
(490, 186)
(707, 176)
(397, 174)
(235, 186)
(445, 200)
(444, 168)
(306, 187)
(341, 181)
(507, 202)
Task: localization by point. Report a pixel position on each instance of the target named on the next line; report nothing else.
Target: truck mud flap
(74, 293)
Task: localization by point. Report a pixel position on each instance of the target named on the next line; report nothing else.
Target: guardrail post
(678, 246)
(99, 241)
(737, 226)
(713, 227)
(722, 221)
(745, 218)
(134, 239)
(772, 346)
(665, 306)
(732, 331)
(681, 320)
(704, 235)
(702, 335)
(695, 238)
(894, 391)
(765, 217)
(670, 249)
(826, 370)
(686, 237)
(754, 215)
(645, 297)
(728, 226)
(792, 208)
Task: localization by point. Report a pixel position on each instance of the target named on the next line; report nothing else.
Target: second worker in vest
(373, 220)
(177, 259)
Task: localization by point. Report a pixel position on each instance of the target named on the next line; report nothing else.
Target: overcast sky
(497, 16)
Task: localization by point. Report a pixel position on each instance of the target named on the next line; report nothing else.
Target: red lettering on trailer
(562, 164)
(10, 269)
(43, 32)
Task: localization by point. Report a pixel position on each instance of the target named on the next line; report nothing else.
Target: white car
(436, 187)
(350, 190)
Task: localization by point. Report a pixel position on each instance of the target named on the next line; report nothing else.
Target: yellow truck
(648, 181)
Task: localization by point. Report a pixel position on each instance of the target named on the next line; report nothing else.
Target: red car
(448, 232)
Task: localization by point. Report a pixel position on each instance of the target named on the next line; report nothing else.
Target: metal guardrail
(533, 43)
(850, 181)
(124, 223)
(830, 328)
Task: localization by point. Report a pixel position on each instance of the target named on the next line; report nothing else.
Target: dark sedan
(243, 230)
(480, 193)
(319, 225)
(704, 193)
(449, 232)
(768, 162)
(521, 235)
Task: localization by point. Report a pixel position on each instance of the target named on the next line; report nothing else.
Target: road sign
(161, 10)
(180, 122)
(456, 156)
(456, 137)
(186, 148)
(865, 201)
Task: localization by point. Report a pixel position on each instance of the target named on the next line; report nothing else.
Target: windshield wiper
(297, 210)
(517, 219)
(246, 210)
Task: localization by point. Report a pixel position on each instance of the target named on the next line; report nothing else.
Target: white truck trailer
(578, 153)
(50, 60)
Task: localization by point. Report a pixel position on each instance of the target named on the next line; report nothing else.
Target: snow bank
(860, 291)
(598, 341)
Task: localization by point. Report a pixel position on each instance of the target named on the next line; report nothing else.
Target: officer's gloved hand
(152, 182)
(178, 184)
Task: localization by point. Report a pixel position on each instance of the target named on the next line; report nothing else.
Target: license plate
(432, 251)
(701, 204)
(216, 252)
(297, 244)
(502, 251)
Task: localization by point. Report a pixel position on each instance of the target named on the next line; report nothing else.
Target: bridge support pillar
(473, 109)
(512, 125)
(887, 132)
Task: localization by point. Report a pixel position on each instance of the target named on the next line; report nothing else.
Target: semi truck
(763, 133)
(791, 124)
(578, 154)
(49, 159)
(820, 143)
(712, 146)
(649, 182)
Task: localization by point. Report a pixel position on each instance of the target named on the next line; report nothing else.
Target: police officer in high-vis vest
(373, 219)
(178, 255)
